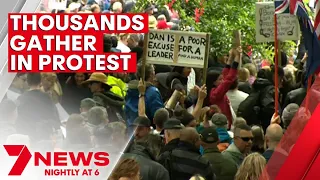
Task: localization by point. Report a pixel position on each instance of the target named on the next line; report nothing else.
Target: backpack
(251, 108)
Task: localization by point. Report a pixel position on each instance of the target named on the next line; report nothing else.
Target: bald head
(189, 134)
(274, 133)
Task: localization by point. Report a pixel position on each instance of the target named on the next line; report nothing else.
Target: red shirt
(218, 95)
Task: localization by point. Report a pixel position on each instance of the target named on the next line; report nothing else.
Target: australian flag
(312, 44)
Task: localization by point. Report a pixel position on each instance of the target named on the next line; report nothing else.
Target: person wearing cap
(241, 146)
(223, 167)
(172, 129)
(102, 95)
(149, 8)
(221, 122)
(185, 160)
(143, 127)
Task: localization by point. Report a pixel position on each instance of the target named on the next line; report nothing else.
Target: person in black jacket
(265, 84)
(34, 107)
(172, 129)
(186, 160)
(145, 151)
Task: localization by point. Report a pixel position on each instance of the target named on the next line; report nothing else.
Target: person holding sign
(178, 80)
(219, 84)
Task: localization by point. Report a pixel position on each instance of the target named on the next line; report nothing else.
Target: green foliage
(220, 18)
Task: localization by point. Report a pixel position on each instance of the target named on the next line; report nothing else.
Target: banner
(177, 48)
(288, 25)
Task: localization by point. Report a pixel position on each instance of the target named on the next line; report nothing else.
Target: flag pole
(276, 64)
(308, 93)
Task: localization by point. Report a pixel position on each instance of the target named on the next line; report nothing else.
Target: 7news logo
(69, 163)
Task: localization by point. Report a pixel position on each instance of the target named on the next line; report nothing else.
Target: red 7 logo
(24, 157)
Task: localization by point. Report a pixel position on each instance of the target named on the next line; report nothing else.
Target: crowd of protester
(182, 128)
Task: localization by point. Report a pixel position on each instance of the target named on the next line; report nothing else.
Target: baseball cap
(219, 119)
(172, 124)
(142, 121)
(209, 135)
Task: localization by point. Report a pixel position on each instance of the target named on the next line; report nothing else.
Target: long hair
(252, 168)
(211, 78)
(126, 168)
(72, 81)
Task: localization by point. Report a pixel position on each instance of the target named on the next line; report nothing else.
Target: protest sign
(288, 25)
(177, 48)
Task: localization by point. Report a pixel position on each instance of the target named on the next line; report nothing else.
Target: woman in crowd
(127, 169)
(219, 84)
(252, 168)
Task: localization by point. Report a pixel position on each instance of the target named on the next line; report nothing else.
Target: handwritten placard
(288, 25)
(178, 48)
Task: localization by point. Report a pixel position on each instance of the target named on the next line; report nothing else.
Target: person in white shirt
(235, 96)
(123, 43)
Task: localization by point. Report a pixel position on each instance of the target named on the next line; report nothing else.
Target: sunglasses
(246, 139)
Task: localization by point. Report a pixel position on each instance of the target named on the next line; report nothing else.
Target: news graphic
(57, 159)
(65, 43)
(45, 46)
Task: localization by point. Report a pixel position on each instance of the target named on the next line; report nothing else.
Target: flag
(309, 32)
(281, 6)
(317, 18)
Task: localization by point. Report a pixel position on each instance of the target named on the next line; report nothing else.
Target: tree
(220, 18)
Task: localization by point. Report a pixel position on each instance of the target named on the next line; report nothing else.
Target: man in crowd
(35, 106)
(172, 129)
(223, 167)
(273, 136)
(153, 99)
(145, 151)
(238, 150)
(160, 117)
(142, 127)
(97, 116)
(186, 161)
